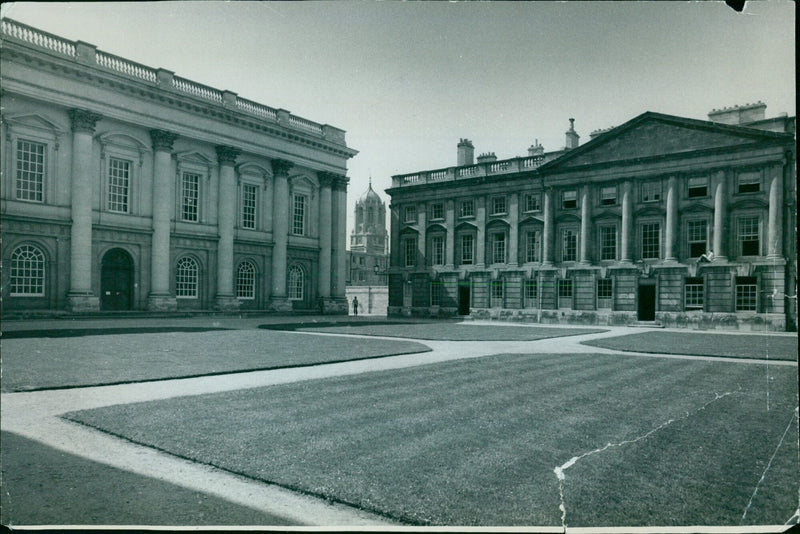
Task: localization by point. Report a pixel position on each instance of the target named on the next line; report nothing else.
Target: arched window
(186, 276)
(246, 281)
(296, 281)
(27, 272)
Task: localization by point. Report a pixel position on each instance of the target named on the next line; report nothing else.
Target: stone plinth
(162, 303)
(227, 304)
(280, 304)
(83, 303)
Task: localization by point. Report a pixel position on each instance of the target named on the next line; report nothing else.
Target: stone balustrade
(87, 54)
(468, 171)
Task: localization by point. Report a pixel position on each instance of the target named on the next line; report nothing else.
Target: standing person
(355, 305)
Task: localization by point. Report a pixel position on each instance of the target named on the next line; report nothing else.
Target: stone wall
(372, 300)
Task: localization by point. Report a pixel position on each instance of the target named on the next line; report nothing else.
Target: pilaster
(325, 234)
(280, 234)
(160, 298)
(627, 223)
(672, 220)
(547, 234)
(226, 220)
(775, 216)
(586, 225)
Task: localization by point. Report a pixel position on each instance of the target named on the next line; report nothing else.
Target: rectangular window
(437, 211)
(569, 246)
(748, 236)
(499, 248)
(533, 202)
(437, 250)
(436, 293)
(569, 199)
(604, 289)
(608, 196)
(30, 171)
(190, 194)
(697, 237)
(698, 187)
(410, 252)
(565, 293)
(467, 208)
(467, 256)
(651, 191)
(249, 206)
(497, 293)
(532, 246)
(651, 240)
(498, 205)
(746, 293)
(531, 293)
(749, 182)
(608, 242)
(410, 214)
(694, 293)
(119, 179)
(299, 215)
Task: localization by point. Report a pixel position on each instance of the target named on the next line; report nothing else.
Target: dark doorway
(647, 303)
(116, 280)
(463, 299)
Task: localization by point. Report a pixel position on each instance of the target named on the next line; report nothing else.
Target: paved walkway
(35, 415)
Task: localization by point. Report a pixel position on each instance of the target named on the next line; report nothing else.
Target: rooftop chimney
(487, 157)
(572, 136)
(466, 152)
(536, 149)
(738, 115)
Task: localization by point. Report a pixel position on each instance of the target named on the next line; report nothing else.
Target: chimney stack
(536, 149)
(572, 136)
(487, 157)
(466, 152)
(738, 115)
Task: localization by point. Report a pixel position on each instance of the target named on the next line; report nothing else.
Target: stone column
(394, 243)
(547, 238)
(339, 244)
(513, 231)
(775, 217)
(627, 222)
(422, 245)
(325, 238)
(672, 220)
(586, 225)
(720, 216)
(226, 221)
(160, 298)
(450, 245)
(80, 296)
(280, 235)
(480, 245)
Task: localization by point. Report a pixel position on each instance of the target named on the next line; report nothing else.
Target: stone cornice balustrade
(85, 54)
(83, 120)
(490, 168)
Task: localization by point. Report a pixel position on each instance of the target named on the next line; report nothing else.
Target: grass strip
(476, 442)
(47, 363)
(759, 346)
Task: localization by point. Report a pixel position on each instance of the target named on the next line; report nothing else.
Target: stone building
(368, 256)
(617, 230)
(129, 188)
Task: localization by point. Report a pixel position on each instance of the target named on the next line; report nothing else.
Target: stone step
(647, 324)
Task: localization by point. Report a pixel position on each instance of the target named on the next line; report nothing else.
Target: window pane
(296, 283)
(608, 242)
(651, 191)
(532, 203)
(697, 238)
(569, 251)
(246, 281)
(499, 248)
(531, 293)
(694, 293)
(437, 250)
(467, 242)
(498, 205)
(27, 272)
(191, 197)
(467, 208)
(749, 182)
(299, 215)
(698, 186)
(249, 206)
(746, 293)
(118, 184)
(186, 276)
(410, 249)
(608, 196)
(437, 211)
(650, 240)
(569, 199)
(748, 236)
(30, 171)
(532, 246)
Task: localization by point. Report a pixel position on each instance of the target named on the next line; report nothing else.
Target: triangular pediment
(653, 135)
(36, 121)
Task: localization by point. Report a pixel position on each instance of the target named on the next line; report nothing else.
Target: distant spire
(370, 181)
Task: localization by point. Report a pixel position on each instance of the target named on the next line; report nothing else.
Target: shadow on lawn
(81, 332)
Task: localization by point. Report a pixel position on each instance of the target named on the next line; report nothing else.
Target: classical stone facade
(687, 222)
(130, 188)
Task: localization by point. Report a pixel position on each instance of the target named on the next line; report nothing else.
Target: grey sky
(408, 79)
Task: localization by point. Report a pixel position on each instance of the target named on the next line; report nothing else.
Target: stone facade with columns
(129, 188)
(683, 222)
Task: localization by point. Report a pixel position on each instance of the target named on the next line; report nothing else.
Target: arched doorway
(116, 280)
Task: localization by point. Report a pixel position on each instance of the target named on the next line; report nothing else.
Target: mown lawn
(705, 344)
(109, 359)
(442, 331)
(476, 442)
